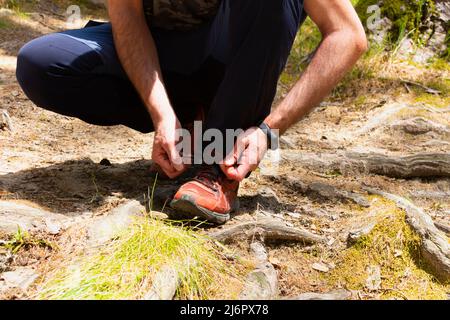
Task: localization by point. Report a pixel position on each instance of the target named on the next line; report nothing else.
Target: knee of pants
(49, 65)
(31, 72)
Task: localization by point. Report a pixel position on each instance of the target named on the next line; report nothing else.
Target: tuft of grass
(395, 248)
(124, 269)
(23, 240)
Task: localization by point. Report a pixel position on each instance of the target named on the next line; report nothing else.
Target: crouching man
(161, 65)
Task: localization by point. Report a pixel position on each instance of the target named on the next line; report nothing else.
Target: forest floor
(389, 105)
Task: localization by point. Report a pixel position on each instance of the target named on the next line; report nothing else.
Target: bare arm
(344, 41)
(137, 52)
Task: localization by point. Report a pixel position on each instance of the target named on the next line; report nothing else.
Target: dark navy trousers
(230, 66)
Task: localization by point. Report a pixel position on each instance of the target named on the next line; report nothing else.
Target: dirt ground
(54, 163)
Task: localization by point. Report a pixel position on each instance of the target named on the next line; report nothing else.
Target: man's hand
(165, 153)
(249, 150)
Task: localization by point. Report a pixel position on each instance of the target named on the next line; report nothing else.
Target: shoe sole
(186, 205)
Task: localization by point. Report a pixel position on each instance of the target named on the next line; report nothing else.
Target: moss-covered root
(394, 250)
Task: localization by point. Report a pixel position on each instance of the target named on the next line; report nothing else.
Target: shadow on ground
(82, 185)
(74, 187)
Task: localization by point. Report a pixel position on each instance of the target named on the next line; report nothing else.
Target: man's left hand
(249, 150)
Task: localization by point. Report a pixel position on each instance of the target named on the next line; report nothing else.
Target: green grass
(125, 268)
(23, 240)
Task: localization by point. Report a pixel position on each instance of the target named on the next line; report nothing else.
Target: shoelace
(208, 176)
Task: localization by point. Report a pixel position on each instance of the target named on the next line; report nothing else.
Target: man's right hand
(165, 153)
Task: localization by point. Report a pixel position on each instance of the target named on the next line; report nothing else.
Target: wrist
(161, 113)
(272, 136)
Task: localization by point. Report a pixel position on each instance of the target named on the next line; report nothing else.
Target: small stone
(320, 267)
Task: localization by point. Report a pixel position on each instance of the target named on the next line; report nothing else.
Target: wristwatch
(272, 137)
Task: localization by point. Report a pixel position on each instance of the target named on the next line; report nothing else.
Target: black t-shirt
(182, 15)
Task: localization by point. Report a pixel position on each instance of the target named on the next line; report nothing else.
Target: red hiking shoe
(209, 195)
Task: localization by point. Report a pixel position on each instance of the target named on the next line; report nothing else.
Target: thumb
(175, 159)
(230, 159)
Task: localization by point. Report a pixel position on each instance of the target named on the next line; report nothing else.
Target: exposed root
(14, 215)
(355, 235)
(420, 125)
(444, 227)
(165, 284)
(269, 230)
(418, 165)
(262, 283)
(435, 247)
(340, 294)
(104, 229)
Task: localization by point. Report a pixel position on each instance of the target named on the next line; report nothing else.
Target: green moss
(407, 15)
(395, 248)
(432, 100)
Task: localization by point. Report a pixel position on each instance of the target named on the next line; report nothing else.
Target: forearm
(137, 52)
(334, 58)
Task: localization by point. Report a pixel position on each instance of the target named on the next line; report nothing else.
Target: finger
(239, 147)
(229, 171)
(174, 157)
(242, 171)
(245, 166)
(230, 159)
(162, 160)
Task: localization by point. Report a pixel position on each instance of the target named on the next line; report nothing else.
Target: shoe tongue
(209, 171)
(208, 175)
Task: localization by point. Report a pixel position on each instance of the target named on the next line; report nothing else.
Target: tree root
(269, 230)
(420, 125)
(165, 284)
(340, 294)
(262, 283)
(413, 166)
(14, 215)
(435, 247)
(444, 227)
